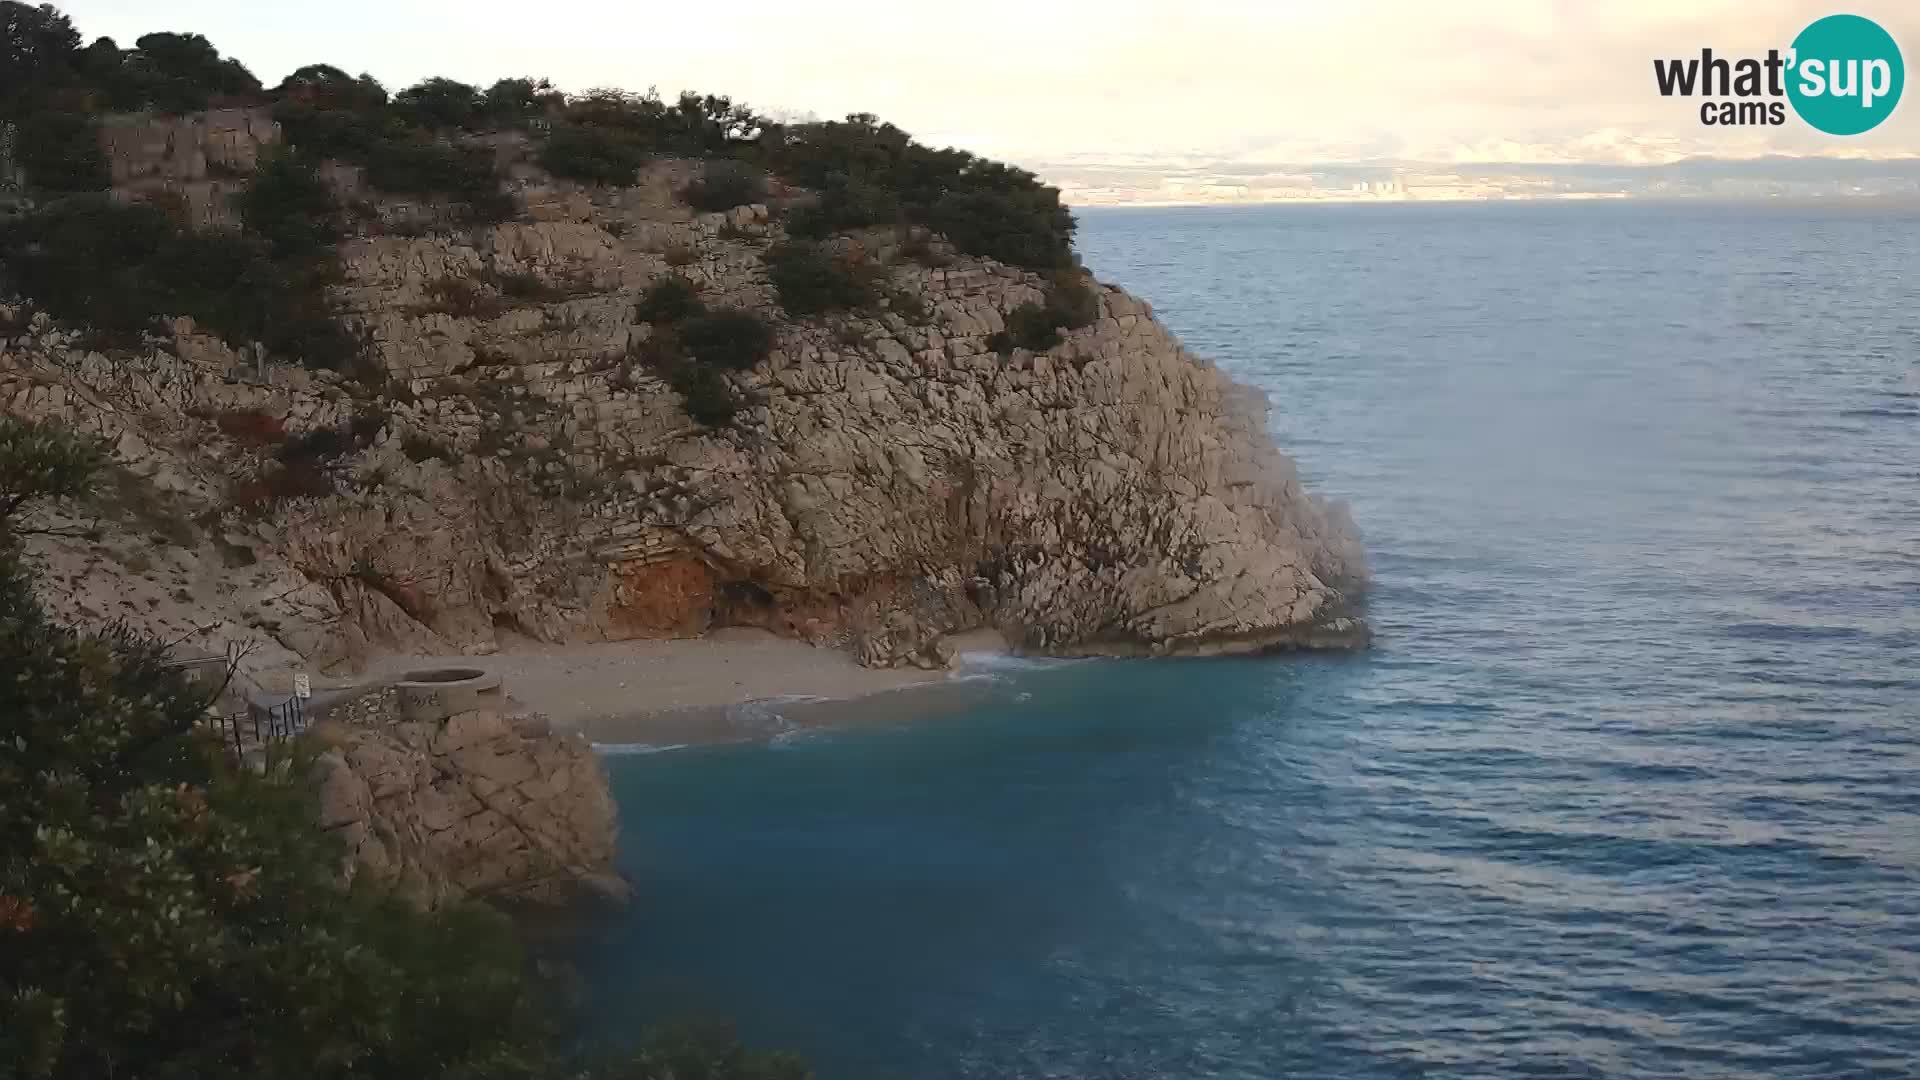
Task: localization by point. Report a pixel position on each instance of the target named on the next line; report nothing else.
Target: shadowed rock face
(892, 480)
(475, 806)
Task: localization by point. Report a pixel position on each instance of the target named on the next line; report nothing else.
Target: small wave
(972, 662)
(1770, 631)
(634, 749)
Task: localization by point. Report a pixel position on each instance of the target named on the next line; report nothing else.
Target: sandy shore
(732, 684)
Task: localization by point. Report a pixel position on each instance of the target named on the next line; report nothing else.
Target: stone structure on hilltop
(893, 479)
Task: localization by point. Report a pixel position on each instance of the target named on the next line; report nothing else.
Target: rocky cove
(513, 465)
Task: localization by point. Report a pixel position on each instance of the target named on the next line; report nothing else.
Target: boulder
(477, 806)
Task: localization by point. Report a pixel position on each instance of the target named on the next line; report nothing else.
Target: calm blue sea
(1628, 787)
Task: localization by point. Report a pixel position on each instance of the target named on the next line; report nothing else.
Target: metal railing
(259, 727)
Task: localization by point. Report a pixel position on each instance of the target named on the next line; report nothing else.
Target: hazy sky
(1038, 80)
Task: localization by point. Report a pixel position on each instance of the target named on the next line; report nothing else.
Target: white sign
(302, 686)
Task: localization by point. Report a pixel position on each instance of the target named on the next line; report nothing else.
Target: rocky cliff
(523, 471)
(476, 805)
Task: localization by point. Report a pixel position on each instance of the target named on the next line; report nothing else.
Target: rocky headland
(892, 480)
(513, 460)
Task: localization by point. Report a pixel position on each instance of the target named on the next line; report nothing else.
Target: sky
(1036, 81)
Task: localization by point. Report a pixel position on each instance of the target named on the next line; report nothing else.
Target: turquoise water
(1626, 788)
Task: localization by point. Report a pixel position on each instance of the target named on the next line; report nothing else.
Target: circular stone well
(437, 693)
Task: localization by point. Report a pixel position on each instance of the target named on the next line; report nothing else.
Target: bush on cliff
(1029, 326)
(729, 338)
(669, 299)
(440, 103)
(724, 185)
(705, 393)
(61, 152)
(288, 206)
(693, 125)
(872, 173)
(812, 281)
(1071, 303)
(592, 156)
(116, 269)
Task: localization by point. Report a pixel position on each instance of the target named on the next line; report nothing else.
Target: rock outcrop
(893, 480)
(477, 806)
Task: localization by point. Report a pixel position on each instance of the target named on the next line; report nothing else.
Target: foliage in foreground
(165, 915)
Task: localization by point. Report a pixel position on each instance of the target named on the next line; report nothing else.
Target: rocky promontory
(894, 476)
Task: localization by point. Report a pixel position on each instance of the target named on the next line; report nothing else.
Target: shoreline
(733, 685)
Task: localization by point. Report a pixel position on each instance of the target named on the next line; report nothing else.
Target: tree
(183, 73)
(724, 185)
(37, 47)
(290, 207)
(440, 103)
(38, 461)
(511, 100)
(592, 155)
(329, 87)
(61, 151)
(811, 281)
(164, 915)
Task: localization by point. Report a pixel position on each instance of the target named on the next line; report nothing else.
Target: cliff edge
(895, 475)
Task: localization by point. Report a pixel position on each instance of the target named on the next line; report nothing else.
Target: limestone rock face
(893, 479)
(479, 806)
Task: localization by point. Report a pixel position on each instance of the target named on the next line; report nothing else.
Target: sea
(1627, 786)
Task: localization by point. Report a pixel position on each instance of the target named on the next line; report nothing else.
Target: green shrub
(463, 299)
(327, 86)
(1029, 326)
(61, 152)
(1071, 303)
(319, 129)
(724, 185)
(811, 281)
(871, 173)
(438, 104)
(419, 448)
(320, 444)
(592, 155)
(427, 167)
(528, 287)
(511, 100)
(116, 269)
(669, 299)
(845, 204)
(161, 908)
(289, 207)
(706, 394)
(729, 338)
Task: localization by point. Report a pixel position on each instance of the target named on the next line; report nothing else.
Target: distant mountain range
(1090, 182)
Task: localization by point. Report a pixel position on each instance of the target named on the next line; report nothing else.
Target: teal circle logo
(1846, 75)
